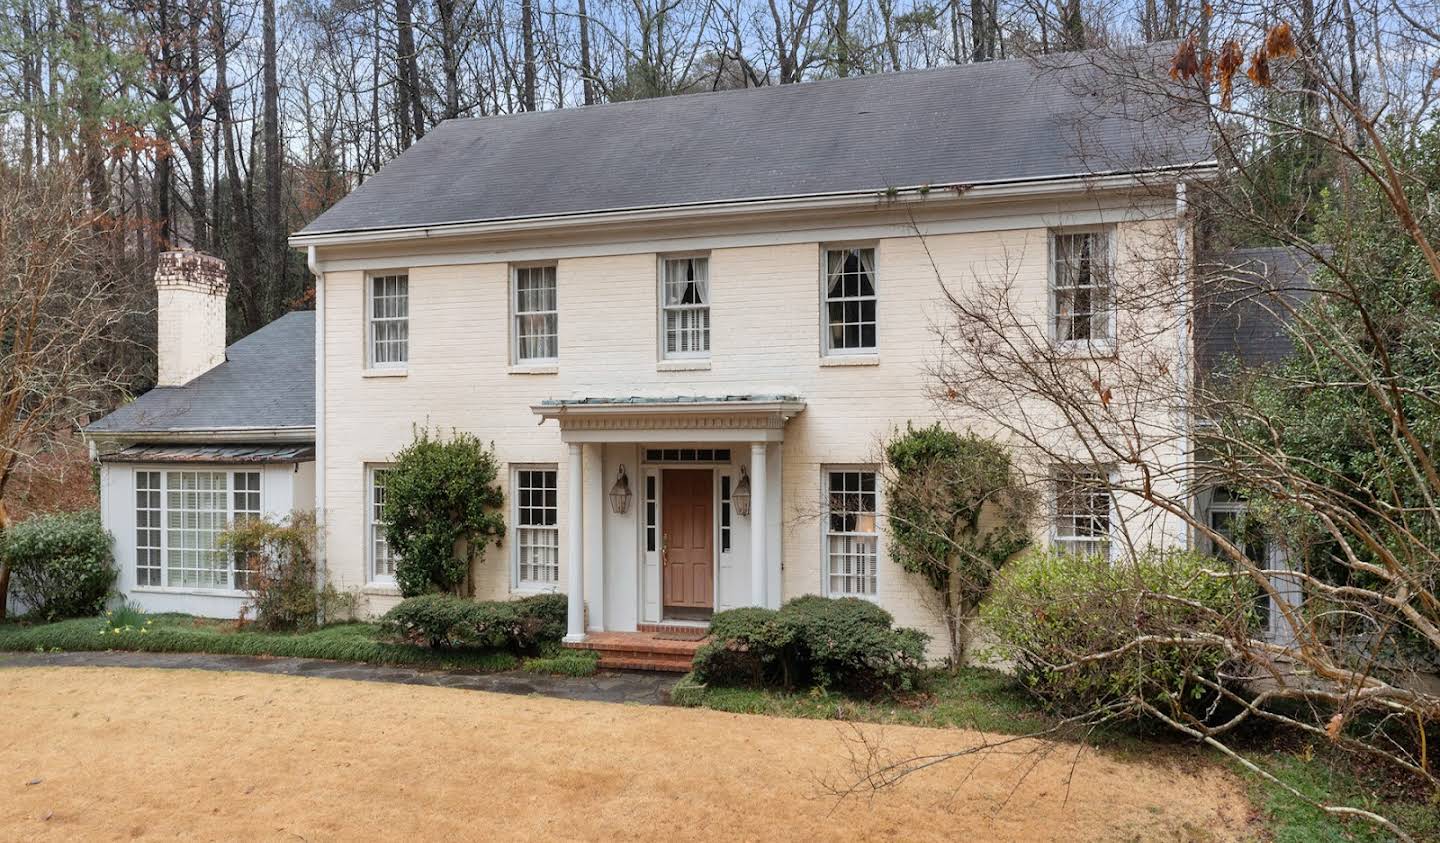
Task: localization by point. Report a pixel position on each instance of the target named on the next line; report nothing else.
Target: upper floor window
(685, 307)
(850, 300)
(1081, 511)
(537, 316)
(1081, 299)
(389, 305)
(851, 534)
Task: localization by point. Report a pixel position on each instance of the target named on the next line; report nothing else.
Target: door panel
(687, 539)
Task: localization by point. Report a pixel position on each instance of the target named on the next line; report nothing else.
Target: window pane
(1081, 511)
(196, 512)
(850, 299)
(389, 320)
(685, 300)
(382, 557)
(537, 323)
(851, 533)
(537, 538)
(1080, 280)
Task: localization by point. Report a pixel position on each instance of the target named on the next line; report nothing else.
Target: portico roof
(725, 418)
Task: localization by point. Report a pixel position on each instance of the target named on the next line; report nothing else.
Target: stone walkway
(606, 686)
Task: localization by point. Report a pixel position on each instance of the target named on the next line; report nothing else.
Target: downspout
(1185, 270)
(322, 568)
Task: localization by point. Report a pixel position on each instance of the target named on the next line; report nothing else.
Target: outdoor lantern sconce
(620, 493)
(741, 496)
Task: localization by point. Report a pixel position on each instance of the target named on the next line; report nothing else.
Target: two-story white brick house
(722, 303)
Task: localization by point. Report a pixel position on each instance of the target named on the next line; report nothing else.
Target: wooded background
(226, 125)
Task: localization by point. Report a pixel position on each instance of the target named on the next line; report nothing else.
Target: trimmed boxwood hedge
(847, 643)
(60, 565)
(444, 620)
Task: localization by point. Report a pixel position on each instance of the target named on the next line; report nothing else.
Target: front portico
(701, 532)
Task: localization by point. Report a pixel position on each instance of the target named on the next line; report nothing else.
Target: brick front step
(639, 651)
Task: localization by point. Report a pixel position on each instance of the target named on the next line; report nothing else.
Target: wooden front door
(688, 550)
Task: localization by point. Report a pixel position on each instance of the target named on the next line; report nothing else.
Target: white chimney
(191, 290)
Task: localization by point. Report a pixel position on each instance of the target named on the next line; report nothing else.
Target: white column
(575, 558)
(759, 520)
(595, 532)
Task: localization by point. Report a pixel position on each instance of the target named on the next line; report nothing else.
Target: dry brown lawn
(110, 753)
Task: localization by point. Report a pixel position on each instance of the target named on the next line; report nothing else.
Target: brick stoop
(639, 651)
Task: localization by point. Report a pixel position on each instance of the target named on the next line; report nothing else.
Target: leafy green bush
(444, 620)
(442, 508)
(846, 643)
(275, 564)
(60, 565)
(1085, 632)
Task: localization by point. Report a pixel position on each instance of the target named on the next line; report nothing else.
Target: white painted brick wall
(765, 339)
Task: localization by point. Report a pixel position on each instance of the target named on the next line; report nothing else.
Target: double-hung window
(849, 301)
(1081, 511)
(382, 557)
(537, 315)
(1082, 300)
(685, 307)
(389, 321)
(537, 534)
(179, 516)
(851, 535)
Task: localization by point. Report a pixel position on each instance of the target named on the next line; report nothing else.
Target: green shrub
(275, 564)
(60, 565)
(442, 508)
(444, 620)
(848, 643)
(1086, 632)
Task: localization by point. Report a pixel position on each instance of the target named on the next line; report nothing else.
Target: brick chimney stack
(191, 288)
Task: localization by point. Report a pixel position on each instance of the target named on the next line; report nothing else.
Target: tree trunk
(449, 56)
(4, 565)
(408, 112)
(586, 73)
(242, 219)
(527, 37)
(842, 38)
(275, 251)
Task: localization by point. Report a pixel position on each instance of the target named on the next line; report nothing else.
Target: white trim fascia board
(207, 435)
(1049, 185)
(759, 237)
(786, 409)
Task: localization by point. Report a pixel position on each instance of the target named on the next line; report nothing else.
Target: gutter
(1013, 188)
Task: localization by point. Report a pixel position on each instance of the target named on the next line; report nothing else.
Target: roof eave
(1015, 188)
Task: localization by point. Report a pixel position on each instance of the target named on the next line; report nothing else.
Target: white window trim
(1088, 346)
(825, 530)
(391, 368)
(532, 365)
(665, 355)
(1107, 474)
(164, 471)
(517, 585)
(372, 578)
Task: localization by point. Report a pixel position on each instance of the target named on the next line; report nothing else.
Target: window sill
(682, 366)
(380, 589)
(1084, 349)
(532, 590)
(535, 369)
(384, 373)
(197, 592)
(840, 360)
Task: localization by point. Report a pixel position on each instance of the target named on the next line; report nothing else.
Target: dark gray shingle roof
(266, 381)
(1243, 304)
(993, 122)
